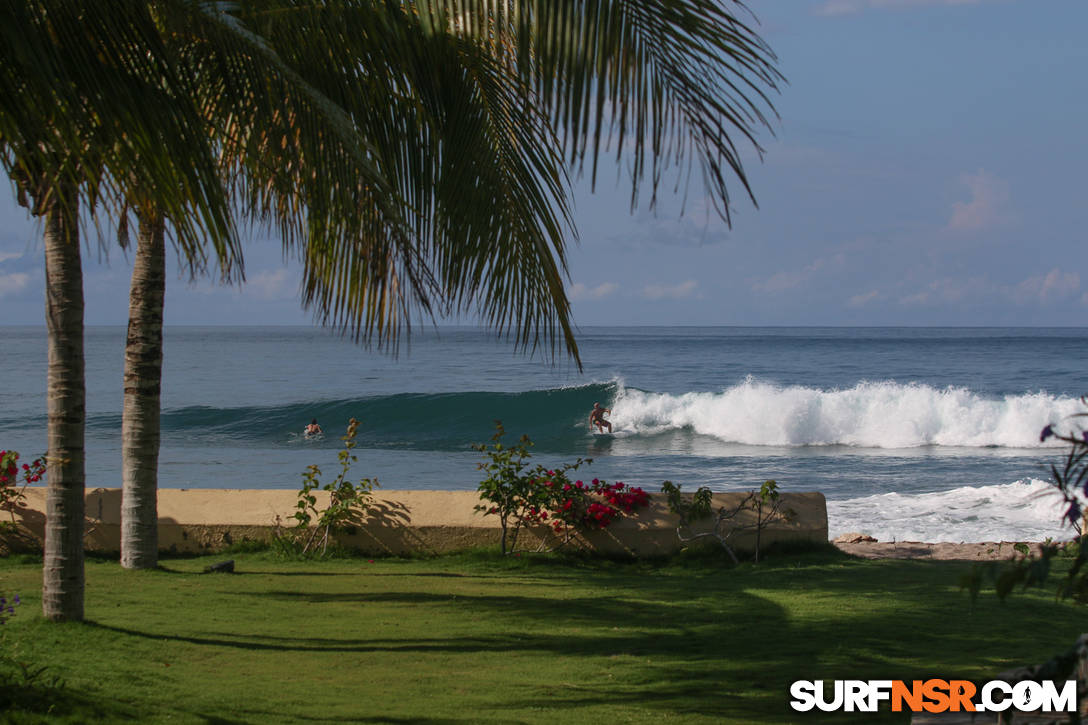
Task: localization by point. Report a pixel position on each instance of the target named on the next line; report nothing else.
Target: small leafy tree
(765, 503)
(348, 503)
(523, 496)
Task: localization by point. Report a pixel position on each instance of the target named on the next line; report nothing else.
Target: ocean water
(911, 433)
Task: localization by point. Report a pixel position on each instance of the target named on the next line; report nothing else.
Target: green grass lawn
(475, 638)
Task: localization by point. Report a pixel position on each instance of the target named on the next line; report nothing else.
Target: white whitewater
(1028, 510)
(870, 415)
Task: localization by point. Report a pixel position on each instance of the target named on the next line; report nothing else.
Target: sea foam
(870, 414)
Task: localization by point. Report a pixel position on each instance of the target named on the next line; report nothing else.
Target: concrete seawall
(399, 522)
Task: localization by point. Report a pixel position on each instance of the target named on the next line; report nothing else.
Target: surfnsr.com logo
(933, 696)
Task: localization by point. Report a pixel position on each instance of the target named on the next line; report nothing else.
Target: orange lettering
(912, 696)
(961, 693)
(937, 692)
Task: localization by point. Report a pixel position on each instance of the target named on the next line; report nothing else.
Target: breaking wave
(872, 415)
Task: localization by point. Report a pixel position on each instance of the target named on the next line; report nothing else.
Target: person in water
(313, 428)
(596, 418)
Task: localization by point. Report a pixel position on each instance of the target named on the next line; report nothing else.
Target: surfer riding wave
(596, 418)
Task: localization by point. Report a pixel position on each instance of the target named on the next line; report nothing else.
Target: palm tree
(77, 122)
(244, 92)
(142, 384)
(97, 109)
(74, 121)
(469, 112)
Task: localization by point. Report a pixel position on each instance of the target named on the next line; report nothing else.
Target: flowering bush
(540, 496)
(582, 506)
(12, 493)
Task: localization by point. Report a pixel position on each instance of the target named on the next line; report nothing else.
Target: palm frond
(92, 97)
(478, 168)
(669, 83)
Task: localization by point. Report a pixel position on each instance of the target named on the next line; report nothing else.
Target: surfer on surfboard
(313, 429)
(596, 418)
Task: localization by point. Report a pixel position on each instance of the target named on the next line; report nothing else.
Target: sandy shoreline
(943, 551)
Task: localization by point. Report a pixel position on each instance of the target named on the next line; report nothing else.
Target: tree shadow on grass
(648, 618)
(709, 643)
(678, 650)
(271, 716)
(31, 701)
(258, 572)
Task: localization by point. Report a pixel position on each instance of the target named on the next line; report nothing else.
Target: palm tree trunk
(142, 382)
(62, 586)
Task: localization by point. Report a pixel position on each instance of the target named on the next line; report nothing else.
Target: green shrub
(765, 503)
(314, 526)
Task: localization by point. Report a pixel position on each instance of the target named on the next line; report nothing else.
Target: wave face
(880, 415)
(420, 421)
(1027, 510)
(871, 415)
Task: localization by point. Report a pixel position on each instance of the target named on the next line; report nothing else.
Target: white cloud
(863, 299)
(782, 281)
(271, 284)
(5, 256)
(670, 292)
(950, 291)
(579, 291)
(1054, 285)
(989, 199)
(851, 7)
(13, 284)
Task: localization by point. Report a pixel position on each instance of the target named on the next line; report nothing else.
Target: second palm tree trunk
(143, 382)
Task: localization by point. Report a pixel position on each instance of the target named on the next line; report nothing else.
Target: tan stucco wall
(399, 522)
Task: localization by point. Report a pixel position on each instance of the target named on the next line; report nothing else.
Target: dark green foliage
(1029, 569)
(764, 504)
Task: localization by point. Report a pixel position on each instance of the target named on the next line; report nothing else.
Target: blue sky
(929, 168)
